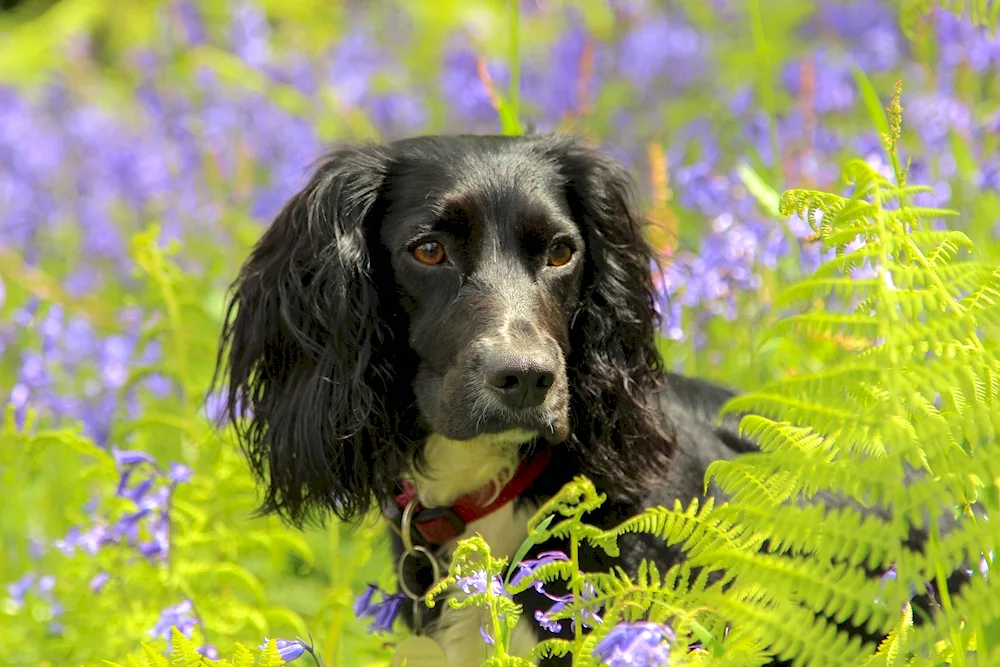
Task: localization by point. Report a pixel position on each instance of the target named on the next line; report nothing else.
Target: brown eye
(560, 254)
(431, 252)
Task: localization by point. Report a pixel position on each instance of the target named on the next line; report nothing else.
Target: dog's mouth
(549, 425)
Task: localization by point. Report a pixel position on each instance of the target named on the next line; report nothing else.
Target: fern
(883, 459)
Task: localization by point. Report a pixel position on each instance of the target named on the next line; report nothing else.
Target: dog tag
(419, 651)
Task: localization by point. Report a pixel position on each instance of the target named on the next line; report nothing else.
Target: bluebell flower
(544, 618)
(528, 566)
(382, 613)
(959, 41)
(131, 458)
(364, 602)
(18, 590)
(477, 583)
(190, 19)
(46, 583)
(643, 644)
(589, 617)
(92, 539)
(289, 650)
(97, 583)
(556, 89)
(466, 93)
(178, 616)
(485, 635)
(250, 34)
(179, 473)
(935, 115)
(137, 492)
(660, 46)
(397, 114)
(386, 612)
(211, 652)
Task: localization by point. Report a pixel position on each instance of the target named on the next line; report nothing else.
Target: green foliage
(897, 436)
(185, 654)
(231, 565)
(886, 359)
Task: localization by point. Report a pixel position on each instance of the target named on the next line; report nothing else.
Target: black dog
(465, 323)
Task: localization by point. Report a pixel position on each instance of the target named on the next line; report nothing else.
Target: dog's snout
(520, 381)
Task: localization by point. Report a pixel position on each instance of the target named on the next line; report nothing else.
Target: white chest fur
(454, 468)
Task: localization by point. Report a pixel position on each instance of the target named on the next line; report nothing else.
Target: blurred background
(145, 145)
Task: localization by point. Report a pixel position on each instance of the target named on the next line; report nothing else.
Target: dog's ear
(301, 347)
(614, 364)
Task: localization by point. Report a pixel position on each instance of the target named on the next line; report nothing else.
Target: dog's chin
(552, 428)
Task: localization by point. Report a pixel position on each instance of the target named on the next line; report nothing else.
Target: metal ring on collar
(435, 568)
(405, 528)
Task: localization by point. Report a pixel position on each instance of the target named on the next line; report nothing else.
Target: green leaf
(523, 549)
(765, 195)
(874, 106)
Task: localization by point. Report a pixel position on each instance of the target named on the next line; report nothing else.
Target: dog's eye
(430, 252)
(560, 254)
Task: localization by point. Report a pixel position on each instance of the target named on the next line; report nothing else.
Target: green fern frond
(242, 656)
(559, 570)
(270, 657)
(807, 291)
(826, 326)
(894, 643)
(695, 528)
(153, 657)
(774, 437)
(750, 484)
(846, 536)
(551, 648)
(979, 602)
(789, 630)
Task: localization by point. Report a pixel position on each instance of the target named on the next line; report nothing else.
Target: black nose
(521, 382)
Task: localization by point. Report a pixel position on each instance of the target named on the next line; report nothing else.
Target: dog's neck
(453, 468)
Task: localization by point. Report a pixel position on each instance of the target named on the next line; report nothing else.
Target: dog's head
(456, 286)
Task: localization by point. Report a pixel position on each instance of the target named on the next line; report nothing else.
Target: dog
(451, 328)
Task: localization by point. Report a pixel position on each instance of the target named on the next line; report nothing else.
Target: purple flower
(178, 616)
(19, 589)
(355, 61)
(288, 649)
(250, 34)
(589, 618)
(211, 653)
(397, 114)
(658, 47)
(364, 602)
(137, 492)
(126, 458)
(477, 583)
(94, 538)
(383, 613)
(528, 566)
(387, 611)
(487, 639)
(46, 583)
(179, 473)
(465, 92)
(833, 88)
(934, 115)
(642, 644)
(98, 581)
(190, 18)
(128, 526)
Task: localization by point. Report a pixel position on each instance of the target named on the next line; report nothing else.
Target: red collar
(439, 525)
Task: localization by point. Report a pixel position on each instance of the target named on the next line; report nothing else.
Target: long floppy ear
(301, 348)
(614, 365)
